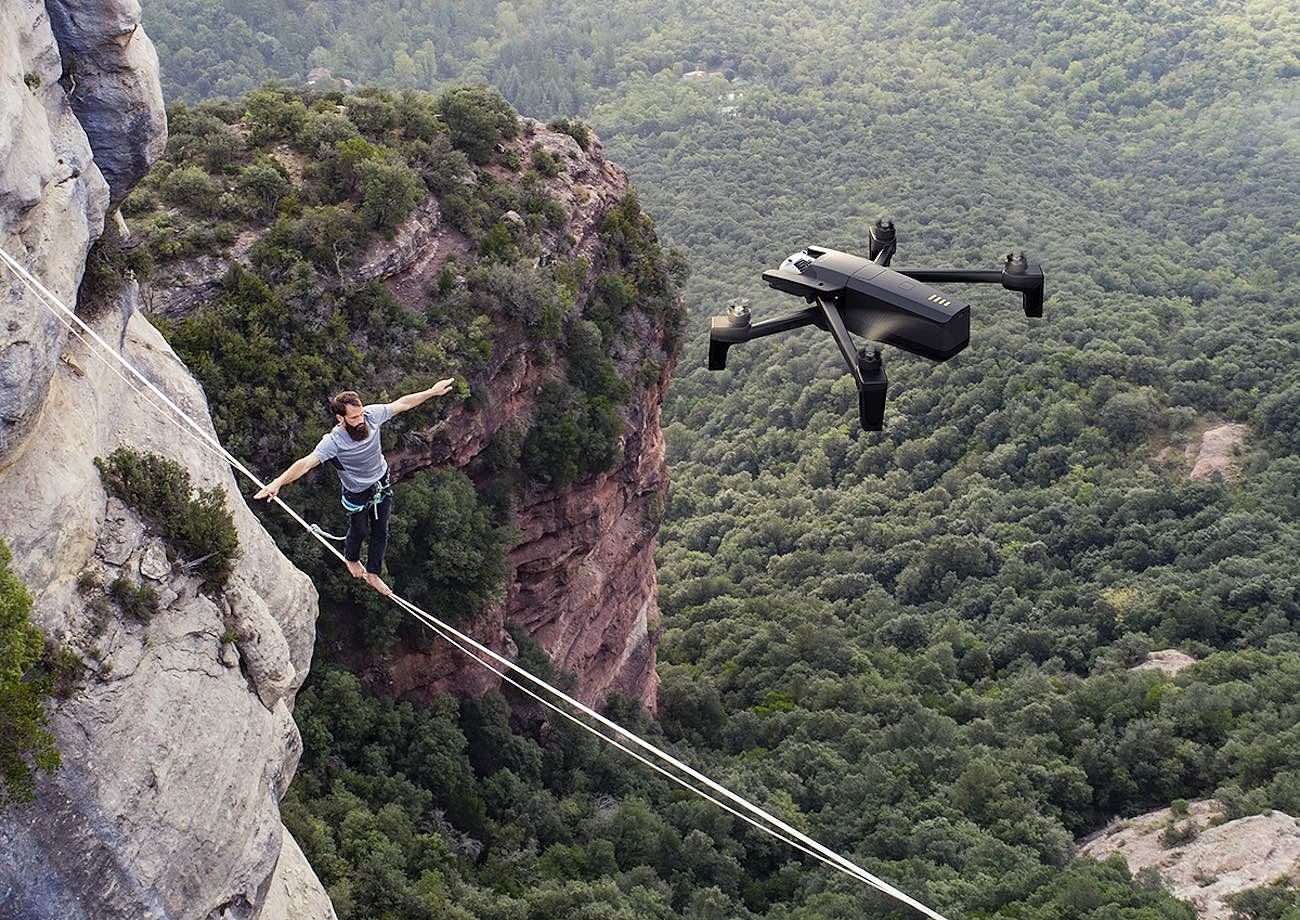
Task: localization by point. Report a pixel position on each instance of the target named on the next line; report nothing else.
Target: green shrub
(195, 527)
(140, 201)
(498, 244)
(1175, 836)
(273, 114)
(590, 368)
(264, 183)
(390, 190)
(136, 600)
(574, 128)
(25, 743)
(442, 167)
(444, 547)
(323, 132)
(478, 118)
(503, 448)
(574, 436)
(373, 113)
(544, 162)
(190, 187)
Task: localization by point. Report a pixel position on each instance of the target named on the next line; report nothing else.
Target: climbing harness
(377, 493)
(503, 667)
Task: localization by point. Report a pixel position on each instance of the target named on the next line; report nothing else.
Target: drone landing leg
(841, 336)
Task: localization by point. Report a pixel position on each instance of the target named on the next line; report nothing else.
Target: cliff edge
(179, 740)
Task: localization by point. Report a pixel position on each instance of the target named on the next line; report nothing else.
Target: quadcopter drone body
(865, 296)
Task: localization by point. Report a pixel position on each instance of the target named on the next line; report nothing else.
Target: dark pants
(366, 523)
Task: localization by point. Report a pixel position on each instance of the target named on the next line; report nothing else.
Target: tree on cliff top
(478, 118)
(25, 744)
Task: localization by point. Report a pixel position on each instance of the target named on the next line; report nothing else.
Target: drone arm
(841, 336)
(725, 332)
(952, 274)
(1016, 275)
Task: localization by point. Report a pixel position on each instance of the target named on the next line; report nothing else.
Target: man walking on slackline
(352, 446)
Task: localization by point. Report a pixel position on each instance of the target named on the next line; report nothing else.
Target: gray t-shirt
(363, 462)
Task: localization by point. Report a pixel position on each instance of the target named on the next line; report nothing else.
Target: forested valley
(916, 645)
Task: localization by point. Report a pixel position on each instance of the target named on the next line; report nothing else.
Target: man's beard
(358, 432)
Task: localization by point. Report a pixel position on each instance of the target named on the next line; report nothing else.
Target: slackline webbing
(485, 656)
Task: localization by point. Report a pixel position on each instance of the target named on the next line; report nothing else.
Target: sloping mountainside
(173, 722)
(918, 642)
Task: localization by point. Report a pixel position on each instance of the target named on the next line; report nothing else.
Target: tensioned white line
(419, 614)
(830, 856)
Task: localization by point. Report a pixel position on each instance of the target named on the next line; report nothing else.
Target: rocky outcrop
(178, 743)
(1203, 861)
(1168, 660)
(583, 582)
(110, 73)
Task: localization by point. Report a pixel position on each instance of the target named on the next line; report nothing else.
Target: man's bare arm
(297, 470)
(411, 400)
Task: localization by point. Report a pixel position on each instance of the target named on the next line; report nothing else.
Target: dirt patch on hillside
(1169, 660)
(1217, 451)
(1201, 863)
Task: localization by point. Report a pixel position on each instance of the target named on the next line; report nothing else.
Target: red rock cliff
(582, 577)
(583, 573)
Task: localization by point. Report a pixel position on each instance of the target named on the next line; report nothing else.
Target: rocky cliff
(582, 576)
(179, 740)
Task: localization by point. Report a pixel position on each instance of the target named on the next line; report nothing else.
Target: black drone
(891, 306)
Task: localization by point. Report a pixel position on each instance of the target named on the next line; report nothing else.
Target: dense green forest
(916, 644)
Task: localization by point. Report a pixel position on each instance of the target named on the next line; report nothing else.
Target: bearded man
(352, 447)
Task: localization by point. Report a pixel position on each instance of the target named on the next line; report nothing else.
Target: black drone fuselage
(879, 303)
(865, 296)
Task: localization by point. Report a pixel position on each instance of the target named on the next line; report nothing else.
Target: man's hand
(411, 400)
(269, 491)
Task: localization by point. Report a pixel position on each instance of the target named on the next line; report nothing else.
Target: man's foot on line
(378, 584)
(356, 568)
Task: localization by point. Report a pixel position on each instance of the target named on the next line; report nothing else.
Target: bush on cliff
(445, 548)
(479, 118)
(198, 527)
(25, 743)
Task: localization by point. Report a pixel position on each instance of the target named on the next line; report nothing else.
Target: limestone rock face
(52, 205)
(111, 75)
(179, 742)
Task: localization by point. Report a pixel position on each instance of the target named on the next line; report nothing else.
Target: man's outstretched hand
(268, 491)
(443, 387)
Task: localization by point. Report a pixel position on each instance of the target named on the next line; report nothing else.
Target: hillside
(918, 642)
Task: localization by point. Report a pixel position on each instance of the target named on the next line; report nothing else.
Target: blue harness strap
(381, 491)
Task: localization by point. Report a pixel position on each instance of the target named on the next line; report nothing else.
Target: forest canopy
(918, 644)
